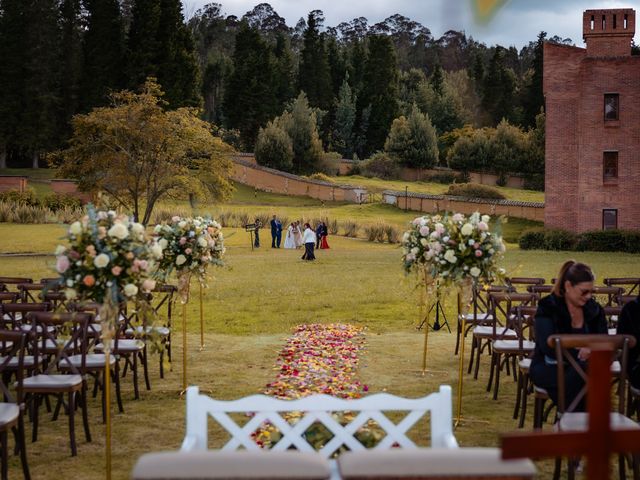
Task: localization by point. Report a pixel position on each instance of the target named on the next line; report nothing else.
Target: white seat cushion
(93, 361)
(162, 331)
(28, 362)
(125, 345)
(432, 463)
(486, 331)
(237, 465)
(480, 317)
(9, 413)
(52, 381)
(525, 363)
(579, 422)
(527, 345)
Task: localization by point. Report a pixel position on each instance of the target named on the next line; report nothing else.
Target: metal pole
(201, 321)
(107, 400)
(406, 198)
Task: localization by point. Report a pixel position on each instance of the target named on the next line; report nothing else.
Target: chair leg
(116, 381)
(162, 362)
(525, 394)
(72, 425)
(556, 468)
(458, 335)
(145, 368)
(496, 384)
(134, 369)
(622, 473)
(35, 405)
(23, 448)
(5, 456)
(516, 407)
(85, 413)
(471, 355)
(478, 352)
(491, 371)
(59, 404)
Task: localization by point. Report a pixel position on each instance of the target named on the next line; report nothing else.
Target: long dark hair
(575, 273)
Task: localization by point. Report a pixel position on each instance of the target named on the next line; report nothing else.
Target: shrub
(474, 190)
(58, 201)
(68, 214)
(380, 165)
(242, 219)
(320, 176)
(6, 211)
(556, 239)
(350, 229)
(274, 148)
(23, 213)
(165, 214)
(392, 233)
(333, 227)
(532, 240)
(371, 232)
(609, 241)
(447, 178)
(28, 197)
(534, 181)
(329, 163)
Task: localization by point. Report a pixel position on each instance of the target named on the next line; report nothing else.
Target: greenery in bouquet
(453, 249)
(189, 246)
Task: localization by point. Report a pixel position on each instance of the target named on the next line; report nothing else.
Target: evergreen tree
(142, 47)
(314, 77)
(274, 148)
(71, 62)
(301, 126)
(380, 90)
(249, 94)
(39, 126)
(177, 66)
(437, 79)
(284, 71)
(499, 88)
(103, 52)
(344, 133)
(12, 46)
(533, 98)
(412, 141)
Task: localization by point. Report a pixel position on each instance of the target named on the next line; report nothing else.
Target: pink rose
(143, 264)
(478, 253)
(424, 231)
(476, 245)
(483, 227)
(102, 232)
(116, 270)
(89, 280)
(73, 255)
(62, 264)
(182, 240)
(188, 251)
(148, 285)
(91, 250)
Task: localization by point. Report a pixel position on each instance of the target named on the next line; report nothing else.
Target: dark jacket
(629, 323)
(553, 317)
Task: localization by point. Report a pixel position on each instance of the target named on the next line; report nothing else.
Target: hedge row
(594, 241)
(54, 201)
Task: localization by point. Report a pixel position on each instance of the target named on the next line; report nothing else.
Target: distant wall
(420, 174)
(267, 179)
(69, 187)
(12, 182)
(438, 203)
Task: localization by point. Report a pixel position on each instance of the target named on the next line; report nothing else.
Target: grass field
(250, 309)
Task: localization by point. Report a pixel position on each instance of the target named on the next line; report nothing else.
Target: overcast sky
(516, 23)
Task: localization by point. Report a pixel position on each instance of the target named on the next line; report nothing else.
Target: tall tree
(533, 98)
(380, 90)
(12, 46)
(314, 76)
(177, 66)
(142, 47)
(39, 126)
(498, 88)
(344, 132)
(249, 94)
(71, 62)
(103, 52)
(284, 80)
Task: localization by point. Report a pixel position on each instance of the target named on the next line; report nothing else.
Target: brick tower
(592, 104)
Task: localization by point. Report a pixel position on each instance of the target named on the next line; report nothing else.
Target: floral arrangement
(108, 259)
(453, 249)
(319, 359)
(189, 246)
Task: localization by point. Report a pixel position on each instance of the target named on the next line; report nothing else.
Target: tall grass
(18, 212)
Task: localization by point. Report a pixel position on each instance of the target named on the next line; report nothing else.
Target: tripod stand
(436, 324)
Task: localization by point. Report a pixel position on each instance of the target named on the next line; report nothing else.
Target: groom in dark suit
(276, 232)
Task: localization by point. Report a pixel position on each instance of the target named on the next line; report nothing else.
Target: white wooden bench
(292, 456)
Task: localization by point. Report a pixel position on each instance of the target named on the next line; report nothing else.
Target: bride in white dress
(289, 241)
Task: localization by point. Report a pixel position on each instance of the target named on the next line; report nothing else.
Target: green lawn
(377, 185)
(250, 309)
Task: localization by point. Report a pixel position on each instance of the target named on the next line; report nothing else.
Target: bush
(532, 240)
(474, 190)
(329, 163)
(534, 181)
(274, 148)
(392, 233)
(320, 176)
(609, 241)
(23, 213)
(28, 197)
(556, 239)
(333, 227)
(372, 232)
(58, 201)
(350, 229)
(446, 178)
(380, 165)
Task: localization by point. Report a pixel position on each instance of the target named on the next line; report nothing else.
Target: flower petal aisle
(319, 359)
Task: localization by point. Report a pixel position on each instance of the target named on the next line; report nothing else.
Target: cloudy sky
(516, 23)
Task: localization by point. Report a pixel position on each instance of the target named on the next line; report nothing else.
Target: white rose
(424, 242)
(163, 243)
(180, 260)
(415, 250)
(467, 229)
(202, 242)
(156, 250)
(137, 228)
(157, 228)
(130, 289)
(101, 260)
(60, 249)
(119, 231)
(475, 271)
(405, 237)
(70, 293)
(450, 256)
(75, 228)
(182, 224)
(486, 218)
(471, 241)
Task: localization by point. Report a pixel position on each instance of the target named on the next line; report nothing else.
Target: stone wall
(270, 180)
(13, 182)
(439, 203)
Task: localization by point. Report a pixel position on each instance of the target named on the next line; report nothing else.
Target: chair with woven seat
(568, 418)
(504, 347)
(50, 348)
(12, 345)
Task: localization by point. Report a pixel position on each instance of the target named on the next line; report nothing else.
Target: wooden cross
(597, 443)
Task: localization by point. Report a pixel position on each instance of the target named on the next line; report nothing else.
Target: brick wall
(271, 180)
(69, 187)
(439, 203)
(577, 136)
(12, 182)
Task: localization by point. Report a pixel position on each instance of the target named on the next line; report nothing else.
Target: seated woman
(569, 308)
(629, 323)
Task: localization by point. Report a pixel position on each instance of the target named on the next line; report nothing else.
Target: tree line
(255, 78)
